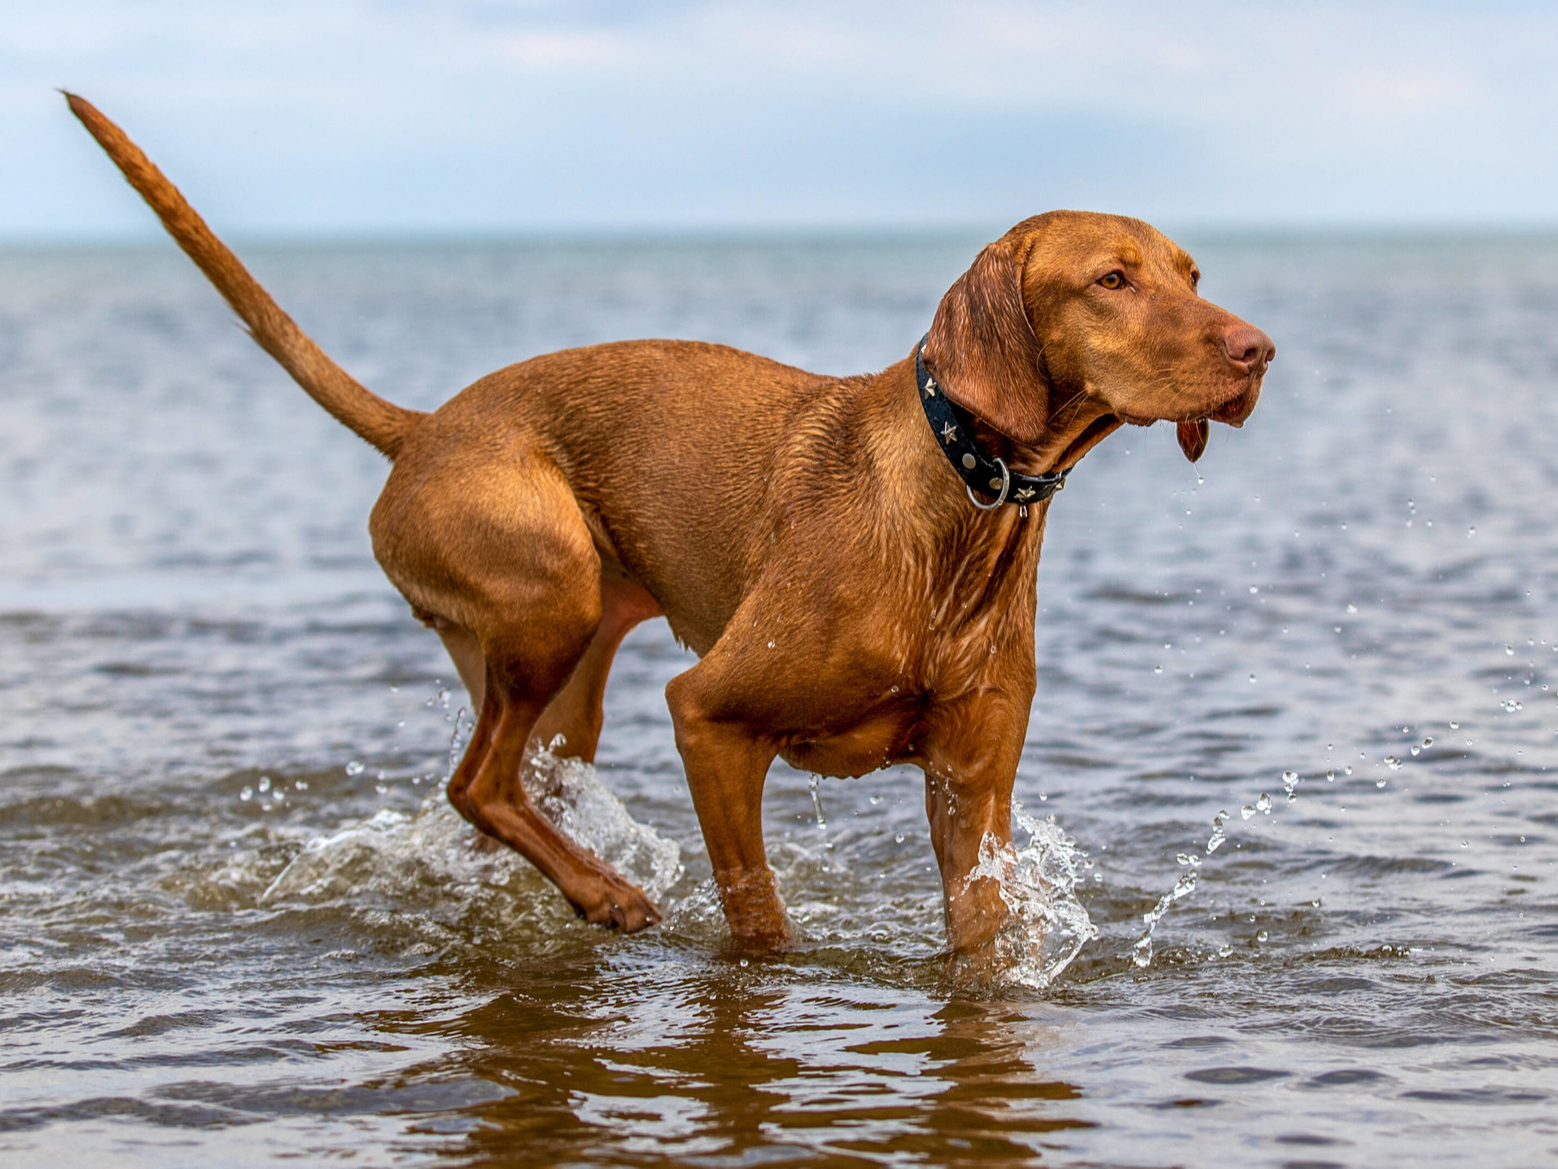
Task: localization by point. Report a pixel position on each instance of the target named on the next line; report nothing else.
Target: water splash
(400, 855)
(1141, 952)
(570, 794)
(1219, 834)
(1046, 926)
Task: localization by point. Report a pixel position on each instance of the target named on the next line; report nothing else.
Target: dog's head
(1074, 321)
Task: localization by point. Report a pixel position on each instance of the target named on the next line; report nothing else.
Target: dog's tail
(381, 423)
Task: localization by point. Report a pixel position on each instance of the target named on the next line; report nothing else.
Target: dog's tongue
(1192, 438)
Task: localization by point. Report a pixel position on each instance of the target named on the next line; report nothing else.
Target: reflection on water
(1289, 781)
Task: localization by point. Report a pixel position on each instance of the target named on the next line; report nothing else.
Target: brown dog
(815, 540)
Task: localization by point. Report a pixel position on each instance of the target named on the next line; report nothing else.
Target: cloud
(480, 115)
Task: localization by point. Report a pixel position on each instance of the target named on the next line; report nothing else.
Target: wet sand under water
(238, 924)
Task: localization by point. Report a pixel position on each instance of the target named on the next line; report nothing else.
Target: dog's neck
(917, 483)
(917, 468)
(956, 428)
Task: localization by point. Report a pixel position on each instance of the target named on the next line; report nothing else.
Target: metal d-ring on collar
(954, 429)
(1006, 485)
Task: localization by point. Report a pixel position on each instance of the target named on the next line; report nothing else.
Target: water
(233, 928)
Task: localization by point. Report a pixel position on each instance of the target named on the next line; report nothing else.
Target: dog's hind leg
(512, 562)
(575, 714)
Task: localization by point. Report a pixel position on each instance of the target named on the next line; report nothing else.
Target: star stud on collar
(948, 432)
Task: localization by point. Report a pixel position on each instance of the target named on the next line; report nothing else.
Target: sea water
(1284, 882)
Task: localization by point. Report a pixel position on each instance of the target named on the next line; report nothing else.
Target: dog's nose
(1248, 348)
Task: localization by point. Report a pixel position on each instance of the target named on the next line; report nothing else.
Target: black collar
(954, 429)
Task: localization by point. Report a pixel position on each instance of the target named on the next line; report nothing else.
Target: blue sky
(373, 117)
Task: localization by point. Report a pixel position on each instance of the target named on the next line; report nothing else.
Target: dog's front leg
(970, 761)
(726, 768)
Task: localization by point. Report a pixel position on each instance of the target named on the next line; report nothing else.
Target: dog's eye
(1113, 280)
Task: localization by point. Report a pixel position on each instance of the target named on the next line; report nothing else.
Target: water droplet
(1471, 532)
(1392, 762)
(1254, 589)
(1352, 608)
(1330, 777)
(354, 768)
(1252, 677)
(1379, 783)
(1416, 750)
(1263, 804)
(1428, 742)
(745, 962)
(1224, 950)
(1347, 771)
(813, 784)
(875, 800)
(1463, 844)
(381, 789)
(1157, 669)
(1182, 859)
(1509, 649)
(1246, 811)
(1510, 706)
(1455, 726)
(1261, 936)
(898, 839)
(247, 794)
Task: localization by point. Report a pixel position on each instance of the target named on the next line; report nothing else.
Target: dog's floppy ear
(984, 352)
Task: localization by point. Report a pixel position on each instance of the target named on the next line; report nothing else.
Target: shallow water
(237, 924)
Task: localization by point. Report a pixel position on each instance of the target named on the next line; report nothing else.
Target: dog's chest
(881, 737)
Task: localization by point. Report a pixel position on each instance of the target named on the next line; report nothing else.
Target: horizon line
(1274, 231)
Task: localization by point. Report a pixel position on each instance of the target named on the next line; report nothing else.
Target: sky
(372, 118)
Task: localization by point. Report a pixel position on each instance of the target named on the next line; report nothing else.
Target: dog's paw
(616, 904)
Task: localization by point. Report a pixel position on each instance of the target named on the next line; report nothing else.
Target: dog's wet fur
(804, 535)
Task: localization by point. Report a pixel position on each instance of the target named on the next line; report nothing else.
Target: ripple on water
(340, 973)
